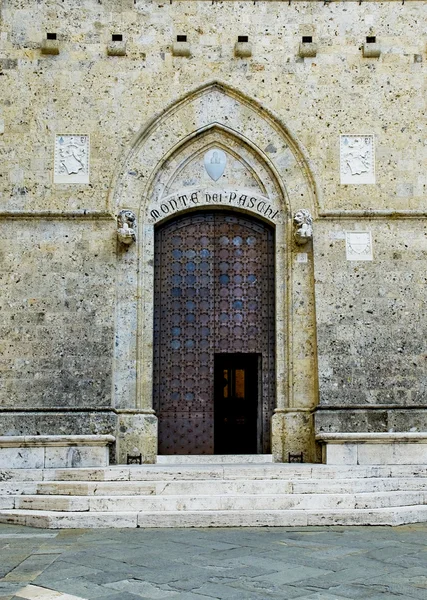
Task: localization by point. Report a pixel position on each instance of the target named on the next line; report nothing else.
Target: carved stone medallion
(215, 162)
(71, 159)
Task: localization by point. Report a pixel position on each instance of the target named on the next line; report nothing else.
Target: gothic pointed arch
(215, 105)
(269, 177)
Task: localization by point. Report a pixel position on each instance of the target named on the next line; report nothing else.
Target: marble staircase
(214, 492)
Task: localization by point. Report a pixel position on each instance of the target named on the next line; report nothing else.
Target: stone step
(226, 471)
(237, 518)
(212, 502)
(214, 495)
(213, 459)
(338, 486)
(216, 486)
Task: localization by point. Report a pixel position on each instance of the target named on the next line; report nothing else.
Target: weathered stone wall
(371, 330)
(57, 296)
(85, 91)
(369, 315)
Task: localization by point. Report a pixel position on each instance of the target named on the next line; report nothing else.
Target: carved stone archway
(268, 177)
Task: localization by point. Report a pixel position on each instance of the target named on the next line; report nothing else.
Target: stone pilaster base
(293, 433)
(136, 434)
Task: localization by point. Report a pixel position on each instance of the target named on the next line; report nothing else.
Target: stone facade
(77, 303)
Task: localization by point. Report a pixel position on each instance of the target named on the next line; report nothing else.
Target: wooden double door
(214, 379)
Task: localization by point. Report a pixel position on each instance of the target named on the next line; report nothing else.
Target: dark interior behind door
(236, 404)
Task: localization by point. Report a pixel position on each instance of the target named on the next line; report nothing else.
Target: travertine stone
(215, 459)
(343, 454)
(7, 503)
(23, 452)
(307, 50)
(374, 448)
(137, 434)
(59, 421)
(59, 316)
(392, 453)
(116, 48)
(243, 49)
(371, 50)
(34, 441)
(293, 433)
(76, 457)
(371, 365)
(168, 472)
(50, 47)
(225, 495)
(22, 458)
(77, 306)
(181, 49)
(147, 30)
(89, 474)
(55, 503)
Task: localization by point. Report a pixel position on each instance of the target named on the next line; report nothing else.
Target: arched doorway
(214, 333)
(268, 176)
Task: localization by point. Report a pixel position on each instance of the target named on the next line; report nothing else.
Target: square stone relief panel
(358, 245)
(71, 159)
(357, 159)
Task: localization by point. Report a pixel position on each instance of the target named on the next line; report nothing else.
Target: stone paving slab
(34, 592)
(314, 563)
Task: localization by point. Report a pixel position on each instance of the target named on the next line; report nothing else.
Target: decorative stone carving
(126, 226)
(357, 159)
(71, 159)
(358, 245)
(205, 197)
(303, 226)
(215, 162)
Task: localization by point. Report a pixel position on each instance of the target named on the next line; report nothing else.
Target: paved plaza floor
(316, 563)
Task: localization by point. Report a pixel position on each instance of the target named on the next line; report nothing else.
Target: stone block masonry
(54, 451)
(56, 317)
(76, 306)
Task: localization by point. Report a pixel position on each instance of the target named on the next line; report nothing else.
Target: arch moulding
(268, 176)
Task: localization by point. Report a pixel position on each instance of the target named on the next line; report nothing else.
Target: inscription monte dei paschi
(227, 198)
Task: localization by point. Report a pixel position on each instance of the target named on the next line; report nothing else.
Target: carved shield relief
(215, 162)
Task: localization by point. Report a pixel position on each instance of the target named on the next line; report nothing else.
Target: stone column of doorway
(297, 390)
(136, 422)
